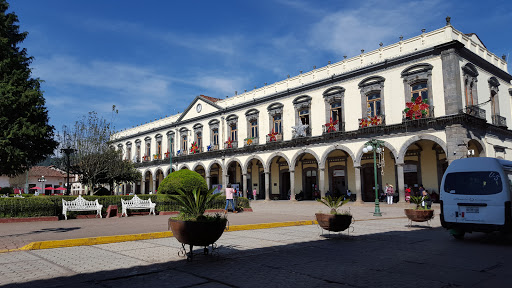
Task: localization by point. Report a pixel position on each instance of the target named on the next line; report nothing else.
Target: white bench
(137, 203)
(80, 204)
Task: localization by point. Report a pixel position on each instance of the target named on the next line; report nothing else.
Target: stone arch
(341, 147)
(401, 156)
(281, 154)
(214, 162)
(198, 164)
(184, 166)
(146, 171)
(257, 157)
(357, 160)
(291, 164)
(416, 68)
(480, 146)
(234, 159)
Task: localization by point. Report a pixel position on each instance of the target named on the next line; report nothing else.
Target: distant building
(307, 132)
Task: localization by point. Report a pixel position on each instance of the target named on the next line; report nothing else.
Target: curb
(143, 236)
(155, 235)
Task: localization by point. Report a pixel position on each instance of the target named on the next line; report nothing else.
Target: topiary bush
(185, 180)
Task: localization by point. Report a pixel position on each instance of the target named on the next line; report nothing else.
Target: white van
(476, 196)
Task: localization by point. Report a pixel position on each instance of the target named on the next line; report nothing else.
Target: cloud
(348, 31)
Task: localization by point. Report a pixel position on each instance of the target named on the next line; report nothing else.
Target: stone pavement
(17, 235)
(376, 253)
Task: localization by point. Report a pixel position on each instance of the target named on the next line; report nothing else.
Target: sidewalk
(18, 235)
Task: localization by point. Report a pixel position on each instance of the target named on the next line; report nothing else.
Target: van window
(473, 183)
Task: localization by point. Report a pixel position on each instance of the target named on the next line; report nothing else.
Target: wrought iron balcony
(474, 111)
(231, 145)
(378, 120)
(251, 141)
(276, 138)
(499, 121)
(146, 158)
(340, 126)
(212, 147)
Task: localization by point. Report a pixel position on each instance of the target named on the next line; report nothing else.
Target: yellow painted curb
(93, 240)
(270, 225)
(155, 235)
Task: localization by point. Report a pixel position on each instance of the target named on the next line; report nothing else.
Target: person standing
(254, 194)
(229, 199)
(390, 193)
(408, 194)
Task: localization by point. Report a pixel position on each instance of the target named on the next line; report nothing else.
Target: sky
(152, 58)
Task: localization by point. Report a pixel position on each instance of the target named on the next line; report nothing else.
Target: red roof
(38, 171)
(210, 98)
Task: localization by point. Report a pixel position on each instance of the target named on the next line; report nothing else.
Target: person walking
(254, 194)
(390, 193)
(229, 199)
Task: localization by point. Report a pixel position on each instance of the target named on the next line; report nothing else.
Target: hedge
(37, 206)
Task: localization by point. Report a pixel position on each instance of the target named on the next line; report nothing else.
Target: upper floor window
(470, 75)
(184, 143)
(335, 110)
(215, 137)
(233, 132)
(304, 116)
(277, 125)
(334, 99)
(254, 128)
(199, 139)
(214, 134)
(374, 104)
(418, 91)
(148, 149)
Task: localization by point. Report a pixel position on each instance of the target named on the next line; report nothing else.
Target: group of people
(427, 197)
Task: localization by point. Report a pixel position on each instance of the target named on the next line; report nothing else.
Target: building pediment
(201, 105)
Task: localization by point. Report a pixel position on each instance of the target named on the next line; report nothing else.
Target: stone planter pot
(333, 222)
(197, 233)
(419, 215)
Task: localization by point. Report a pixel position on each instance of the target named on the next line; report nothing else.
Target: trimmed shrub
(185, 180)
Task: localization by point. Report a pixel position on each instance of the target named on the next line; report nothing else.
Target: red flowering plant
(416, 109)
(331, 126)
(272, 136)
(194, 149)
(229, 143)
(370, 121)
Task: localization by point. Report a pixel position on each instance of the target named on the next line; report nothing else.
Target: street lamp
(375, 146)
(68, 151)
(42, 180)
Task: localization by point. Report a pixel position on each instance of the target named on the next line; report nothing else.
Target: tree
(94, 159)
(26, 138)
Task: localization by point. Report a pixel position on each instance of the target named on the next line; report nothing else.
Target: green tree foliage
(26, 138)
(184, 180)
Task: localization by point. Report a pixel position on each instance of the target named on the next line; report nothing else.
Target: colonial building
(431, 99)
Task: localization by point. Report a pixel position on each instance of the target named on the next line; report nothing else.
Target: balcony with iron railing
(231, 145)
(328, 128)
(499, 121)
(251, 141)
(212, 147)
(157, 156)
(475, 111)
(374, 121)
(146, 158)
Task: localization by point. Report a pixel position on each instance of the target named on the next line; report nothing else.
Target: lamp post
(375, 146)
(42, 180)
(68, 151)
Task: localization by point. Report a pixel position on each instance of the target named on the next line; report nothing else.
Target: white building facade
(431, 99)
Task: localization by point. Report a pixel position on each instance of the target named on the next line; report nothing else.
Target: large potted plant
(192, 227)
(420, 213)
(334, 221)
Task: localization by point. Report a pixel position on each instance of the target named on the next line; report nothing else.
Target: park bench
(137, 203)
(80, 204)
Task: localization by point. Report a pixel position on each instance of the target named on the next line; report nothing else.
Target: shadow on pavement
(415, 258)
(44, 230)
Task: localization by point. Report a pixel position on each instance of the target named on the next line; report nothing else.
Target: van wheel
(459, 235)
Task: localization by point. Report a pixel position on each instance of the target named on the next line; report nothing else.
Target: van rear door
(475, 197)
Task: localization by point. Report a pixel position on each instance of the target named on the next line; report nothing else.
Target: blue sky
(151, 58)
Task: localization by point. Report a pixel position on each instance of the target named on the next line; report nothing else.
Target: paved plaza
(381, 252)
